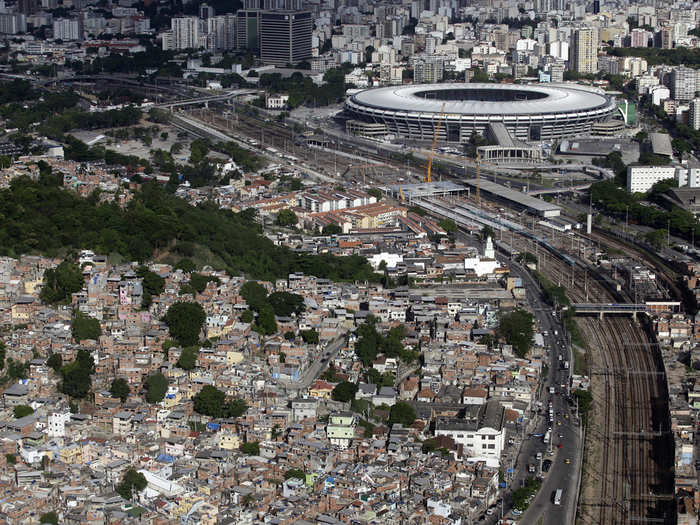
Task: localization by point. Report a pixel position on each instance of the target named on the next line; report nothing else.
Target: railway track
(632, 454)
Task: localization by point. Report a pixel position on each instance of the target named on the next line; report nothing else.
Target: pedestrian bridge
(609, 308)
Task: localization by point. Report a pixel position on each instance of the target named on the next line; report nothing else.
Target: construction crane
(435, 137)
(478, 178)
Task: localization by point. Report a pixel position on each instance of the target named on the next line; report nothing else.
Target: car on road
(567, 461)
(546, 465)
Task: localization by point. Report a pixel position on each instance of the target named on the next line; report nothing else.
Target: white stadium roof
(554, 98)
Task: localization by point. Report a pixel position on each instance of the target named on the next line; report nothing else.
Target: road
(561, 475)
(312, 373)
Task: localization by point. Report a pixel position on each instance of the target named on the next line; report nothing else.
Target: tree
(185, 320)
(49, 517)
(22, 410)
(188, 357)
(133, 481)
(516, 328)
(285, 304)
(120, 388)
(295, 473)
(344, 391)
(265, 324)
(3, 353)
(254, 294)
(402, 413)
(61, 282)
(448, 225)
(332, 229)
(152, 283)
(248, 316)
(55, 361)
(156, 387)
(199, 282)
(287, 218)
(76, 375)
(289, 335)
(375, 192)
(84, 327)
(310, 336)
(209, 401)
(251, 448)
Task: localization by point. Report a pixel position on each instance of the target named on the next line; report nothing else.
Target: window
(492, 438)
(492, 447)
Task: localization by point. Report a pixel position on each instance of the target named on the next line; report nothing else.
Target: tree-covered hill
(40, 217)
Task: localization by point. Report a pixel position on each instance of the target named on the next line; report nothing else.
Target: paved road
(312, 373)
(561, 475)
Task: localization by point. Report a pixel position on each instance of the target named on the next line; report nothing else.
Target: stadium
(529, 112)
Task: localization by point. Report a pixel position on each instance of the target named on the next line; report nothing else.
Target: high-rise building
(584, 51)
(248, 29)
(666, 37)
(428, 70)
(556, 71)
(596, 7)
(683, 83)
(285, 36)
(694, 114)
(13, 23)
(206, 11)
(223, 28)
(67, 29)
(639, 38)
(185, 32)
(28, 7)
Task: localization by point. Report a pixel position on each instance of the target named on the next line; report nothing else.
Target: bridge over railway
(610, 308)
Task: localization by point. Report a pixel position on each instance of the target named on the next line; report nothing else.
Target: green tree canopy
(344, 391)
(310, 336)
(84, 327)
(287, 218)
(61, 282)
(120, 389)
(332, 229)
(265, 324)
(49, 518)
(133, 481)
(516, 328)
(156, 387)
(212, 402)
(448, 225)
(22, 410)
(76, 375)
(295, 473)
(254, 294)
(188, 357)
(402, 413)
(55, 361)
(251, 448)
(185, 320)
(285, 304)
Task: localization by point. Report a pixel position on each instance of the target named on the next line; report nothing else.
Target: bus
(557, 496)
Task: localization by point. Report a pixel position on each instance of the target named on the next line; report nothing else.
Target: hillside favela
(349, 262)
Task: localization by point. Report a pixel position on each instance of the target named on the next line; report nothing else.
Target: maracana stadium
(537, 112)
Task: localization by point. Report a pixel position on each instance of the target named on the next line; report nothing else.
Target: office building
(185, 32)
(223, 31)
(584, 51)
(248, 29)
(596, 7)
(28, 7)
(642, 178)
(666, 37)
(285, 37)
(694, 114)
(67, 29)
(13, 23)
(428, 70)
(206, 11)
(683, 83)
(639, 37)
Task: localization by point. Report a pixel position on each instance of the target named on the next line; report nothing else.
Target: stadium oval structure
(529, 112)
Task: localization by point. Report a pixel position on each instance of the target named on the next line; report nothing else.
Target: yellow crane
(435, 137)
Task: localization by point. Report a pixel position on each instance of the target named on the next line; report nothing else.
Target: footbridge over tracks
(601, 309)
